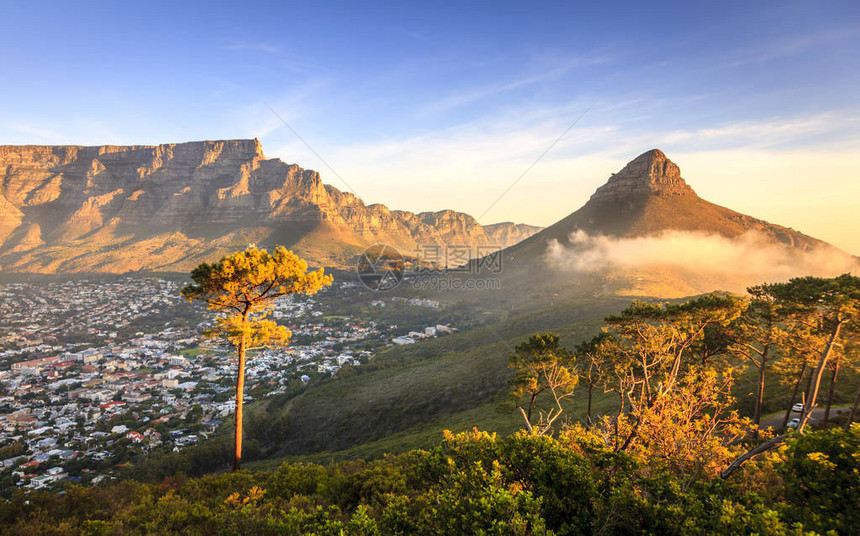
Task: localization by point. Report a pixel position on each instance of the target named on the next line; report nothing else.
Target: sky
(509, 111)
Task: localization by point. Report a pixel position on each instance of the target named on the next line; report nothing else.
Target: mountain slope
(167, 207)
(649, 196)
(418, 384)
(646, 232)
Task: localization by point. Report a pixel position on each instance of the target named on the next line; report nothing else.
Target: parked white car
(794, 423)
(797, 407)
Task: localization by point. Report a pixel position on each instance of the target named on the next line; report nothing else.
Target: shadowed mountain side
(649, 196)
(646, 233)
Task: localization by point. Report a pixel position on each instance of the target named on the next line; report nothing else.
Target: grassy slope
(451, 382)
(455, 382)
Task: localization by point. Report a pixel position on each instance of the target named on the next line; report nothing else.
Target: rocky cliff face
(167, 207)
(649, 174)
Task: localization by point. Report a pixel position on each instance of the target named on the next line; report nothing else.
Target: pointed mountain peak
(650, 173)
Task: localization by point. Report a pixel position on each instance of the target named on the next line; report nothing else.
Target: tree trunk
(525, 418)
(588, 408)
(767, 445)
(853, 411)
(793, 395)
(804, 395)
(632, 435)
(830, 392)
(819, 372)
(240, 398)
(760, 398)
(531, 407)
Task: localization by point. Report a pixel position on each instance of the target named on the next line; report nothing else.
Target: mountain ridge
(113, 208)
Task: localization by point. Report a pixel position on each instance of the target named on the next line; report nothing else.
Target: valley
(109, 378)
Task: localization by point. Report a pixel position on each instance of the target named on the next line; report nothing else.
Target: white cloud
(704, 253)
(755, 168)
(295, 105)
(43, 134)
(766, 134)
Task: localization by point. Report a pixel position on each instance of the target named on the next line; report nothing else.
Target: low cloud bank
(750, 254)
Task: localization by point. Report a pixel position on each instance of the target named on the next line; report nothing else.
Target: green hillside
(430, 384)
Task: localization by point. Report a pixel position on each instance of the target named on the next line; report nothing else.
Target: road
(775, 419)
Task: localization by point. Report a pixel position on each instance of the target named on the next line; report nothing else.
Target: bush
(821, 471)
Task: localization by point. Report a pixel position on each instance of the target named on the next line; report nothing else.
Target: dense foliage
(477, 483)
(670, 454)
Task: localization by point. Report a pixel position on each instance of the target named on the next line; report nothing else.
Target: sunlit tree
(847, 356)
(542, 366)
(591, 355)
(755, 336)
(853, 413)
(823, 313)
(673, 386)
(242, 289)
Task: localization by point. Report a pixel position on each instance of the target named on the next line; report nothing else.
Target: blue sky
(446, 105)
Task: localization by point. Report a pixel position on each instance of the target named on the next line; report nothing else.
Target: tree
(853, 411)
(822, 314)
(819, 471)
(843, 357)
(824, 311)
(591, 355)
(194, 414)
(673, 385)
(791, 367)
(542, 366)
(242, 289)
(755, 335)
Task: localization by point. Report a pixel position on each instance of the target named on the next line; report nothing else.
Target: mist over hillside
(647, 233)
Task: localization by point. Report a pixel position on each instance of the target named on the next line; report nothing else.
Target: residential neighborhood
(93, 374)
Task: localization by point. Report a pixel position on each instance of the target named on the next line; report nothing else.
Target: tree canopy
(242, 288)
(542, 365)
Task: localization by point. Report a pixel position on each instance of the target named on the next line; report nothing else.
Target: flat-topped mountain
(169, 207)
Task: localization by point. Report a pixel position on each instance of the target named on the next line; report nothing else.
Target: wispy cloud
(739, 164)
(254, 47)
(453, 167)
(43, 133)
(784, 48)
(296, 104)
(769, 133)
(416, 36)
(280, 57)
(464, 97)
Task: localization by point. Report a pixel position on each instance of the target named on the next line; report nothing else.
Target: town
(95, 373)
